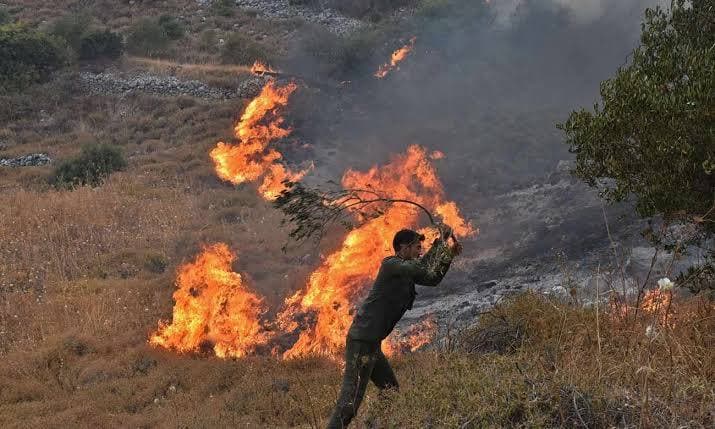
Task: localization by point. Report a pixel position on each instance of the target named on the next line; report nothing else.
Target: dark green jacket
(394, 291)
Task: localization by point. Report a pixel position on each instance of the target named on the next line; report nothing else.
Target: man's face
(412, 251)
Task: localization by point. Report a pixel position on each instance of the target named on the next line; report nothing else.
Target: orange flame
(259, 68)
(213, 309)
(416, 336)
(343, 277)
(397, 57)
(252, 159)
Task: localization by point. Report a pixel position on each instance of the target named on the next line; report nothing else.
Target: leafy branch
(311, 211)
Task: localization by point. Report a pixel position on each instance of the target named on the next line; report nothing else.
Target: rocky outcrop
(31, 160)
(111, 83)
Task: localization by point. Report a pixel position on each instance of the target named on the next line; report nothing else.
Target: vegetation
(568, 367)
(147, 38)
(239, 49)
(653, 136)
(100, 44)
(27, 56)
(70, 28)
(223, 7)
(91, 167)
(5, 17)
(172, 27)
(87, 42)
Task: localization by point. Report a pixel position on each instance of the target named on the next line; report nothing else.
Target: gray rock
(111, 83)
(31, 160)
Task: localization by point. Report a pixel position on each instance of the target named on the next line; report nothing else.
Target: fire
(416, 336)
(341, 280)
(252, 159)
(213, 309)
(260, 68)
(397, 57)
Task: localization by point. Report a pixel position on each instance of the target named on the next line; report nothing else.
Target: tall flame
(336, 286)
(213, 309)
(397, 57)
(252, 159)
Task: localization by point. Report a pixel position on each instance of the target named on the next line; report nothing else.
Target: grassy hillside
(86, 273)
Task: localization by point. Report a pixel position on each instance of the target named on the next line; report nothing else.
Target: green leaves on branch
(652, 137)
(311, 211)
(27, 56)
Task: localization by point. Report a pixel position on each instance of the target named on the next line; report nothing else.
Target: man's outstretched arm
(431, 268)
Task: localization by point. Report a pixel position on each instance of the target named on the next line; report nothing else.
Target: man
(390, 297)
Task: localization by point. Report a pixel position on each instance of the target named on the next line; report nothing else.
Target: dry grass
(98, 371)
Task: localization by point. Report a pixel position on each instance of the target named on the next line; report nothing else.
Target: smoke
(579, 11)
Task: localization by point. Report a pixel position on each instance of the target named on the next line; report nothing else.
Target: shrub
(27, 56)
(93, 165)
(360, 8)
(101, 44)
(239, 49)
(5, 17)
(172, 27)
(70, 28)
(147, 38)
(223, 7)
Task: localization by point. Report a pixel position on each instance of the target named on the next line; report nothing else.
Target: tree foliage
(101, 44)
(652, 137)
(27, 56)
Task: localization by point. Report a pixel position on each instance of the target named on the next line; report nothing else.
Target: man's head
(408, 244)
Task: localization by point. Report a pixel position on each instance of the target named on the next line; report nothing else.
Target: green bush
(240, 49)
(27, 56)
(101, 44)
(70, 28)
(147, 38)
(93, 165)
(172, 27)
(5, 17)
(223, 7)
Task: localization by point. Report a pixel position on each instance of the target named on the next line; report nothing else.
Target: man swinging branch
(390, 297)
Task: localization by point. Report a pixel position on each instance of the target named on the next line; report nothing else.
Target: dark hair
(405, 237)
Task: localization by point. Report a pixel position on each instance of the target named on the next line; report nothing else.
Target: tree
(652, 137)
(27, 56)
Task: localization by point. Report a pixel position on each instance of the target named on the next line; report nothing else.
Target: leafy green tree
(652, 137)
(27, 56)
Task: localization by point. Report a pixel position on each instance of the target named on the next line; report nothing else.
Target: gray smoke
(488, 93)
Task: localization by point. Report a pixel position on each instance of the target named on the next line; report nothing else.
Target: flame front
(343, 277)
(213, 309)
(397, 57)
(260, 68)
(252, 159)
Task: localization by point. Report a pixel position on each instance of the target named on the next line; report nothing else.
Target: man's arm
(431, 268)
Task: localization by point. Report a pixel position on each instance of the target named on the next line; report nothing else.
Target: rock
(108, 83)
(31, 160)
(282, 9)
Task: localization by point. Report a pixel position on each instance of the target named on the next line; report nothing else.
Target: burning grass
(98, 373)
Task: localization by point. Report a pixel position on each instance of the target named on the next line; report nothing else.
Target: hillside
(536, 324)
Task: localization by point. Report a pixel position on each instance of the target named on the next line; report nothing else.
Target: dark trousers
(364, 361)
